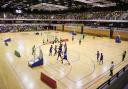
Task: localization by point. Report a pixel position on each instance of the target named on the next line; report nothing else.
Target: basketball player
(33, 50)
(55, 39)
(60, 46)
(72, 38)
(47, 40)
(6, 43)
(60, 51)
(98, 55)
(65, 47)
(101, 58)
(55, 49)
(65, 58)
(123, 55)
(50, 50)
(111, 68)
(43, 42)
(79, 41)
(60, 39)
(83, 36)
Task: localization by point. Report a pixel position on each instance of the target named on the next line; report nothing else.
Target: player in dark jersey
(60, 51)
(79, 41)
(55, 50)
(65, 58)
(101, 58)
(123, 55)
(97, 55)
(50, 50)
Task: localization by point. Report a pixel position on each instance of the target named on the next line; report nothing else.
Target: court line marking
(102, 75)
(62, 65)
(54, 77)
(84, 75)
(81, 78)
(16, 73)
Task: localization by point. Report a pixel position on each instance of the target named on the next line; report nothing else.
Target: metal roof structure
(59, 5)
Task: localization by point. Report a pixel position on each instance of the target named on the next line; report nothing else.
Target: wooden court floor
(83, 73)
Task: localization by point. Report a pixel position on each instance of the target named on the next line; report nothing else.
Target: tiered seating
(104, 15)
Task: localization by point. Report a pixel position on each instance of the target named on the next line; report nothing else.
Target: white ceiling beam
(90, 1)
(46, 6)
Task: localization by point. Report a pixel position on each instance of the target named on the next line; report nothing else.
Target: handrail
(108, 82)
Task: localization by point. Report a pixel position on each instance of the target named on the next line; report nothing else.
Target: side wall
(123, 34)
(95, 31)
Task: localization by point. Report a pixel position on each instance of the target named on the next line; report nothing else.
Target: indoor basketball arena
(63, 44)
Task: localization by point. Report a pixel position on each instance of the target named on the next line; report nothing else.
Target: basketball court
(84, 72)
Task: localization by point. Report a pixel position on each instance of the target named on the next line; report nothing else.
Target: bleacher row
(21, 28)
(107, 15)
